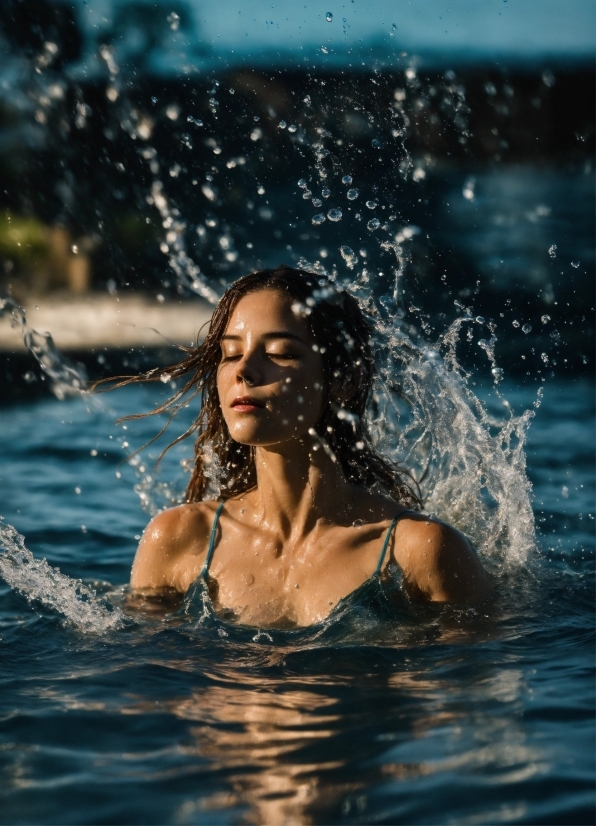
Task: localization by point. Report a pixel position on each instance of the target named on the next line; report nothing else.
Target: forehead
(267, 311)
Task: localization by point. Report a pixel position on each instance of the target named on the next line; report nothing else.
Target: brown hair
(342, 334)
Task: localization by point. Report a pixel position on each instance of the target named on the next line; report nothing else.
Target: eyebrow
(273, 335)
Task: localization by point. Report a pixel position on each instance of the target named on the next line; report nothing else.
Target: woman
(310, 516)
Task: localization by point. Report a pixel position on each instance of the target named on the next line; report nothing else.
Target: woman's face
(270, 379)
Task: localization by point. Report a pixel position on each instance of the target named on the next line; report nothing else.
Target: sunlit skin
(288, 550)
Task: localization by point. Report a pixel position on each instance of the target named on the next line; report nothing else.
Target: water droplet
(527, 328)
(498, 374)
(575, 264)
(329, 17)
(302, 183)
(552, 251)
(376, 144)
(318, 218)
(316, 202)
(282, 124)
(174, 21)
(479, 319)
(373, 224)
(372, 204)
(347, 179)
(334, 214)
(544, 319)
(326, 193)
(352, 194)
(516, 323)
(153, 100)
(349, 256)
(292, 127)
(357, 523)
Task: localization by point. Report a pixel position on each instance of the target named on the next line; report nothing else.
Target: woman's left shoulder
(438, 561)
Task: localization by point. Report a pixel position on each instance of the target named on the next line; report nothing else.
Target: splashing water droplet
(316, 202)
(347, 179)
(352, 194)
(515, 323)
(349, 256)
(334, 215)
(372, 204)
(575, 265)
(282, 124)
(292, 127)
(302, 183)
(373, 224)
(329, 17)
(326, 193)
(527, 328)
(545, 319)
(376, 144)
(552, 251)
(318, 218)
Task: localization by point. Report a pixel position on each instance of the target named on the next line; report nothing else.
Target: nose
(247, 371)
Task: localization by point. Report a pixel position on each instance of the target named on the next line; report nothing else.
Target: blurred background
(150, 152)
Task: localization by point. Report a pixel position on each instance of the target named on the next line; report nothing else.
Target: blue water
(449, 716)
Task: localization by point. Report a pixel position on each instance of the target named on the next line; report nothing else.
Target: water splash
(66, 378)
(38, 581)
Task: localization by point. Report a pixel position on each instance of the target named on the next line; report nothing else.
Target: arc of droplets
(66, 378)
(432, 421)
(188, 273)
(38, 581)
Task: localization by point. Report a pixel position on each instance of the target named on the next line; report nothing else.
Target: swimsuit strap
(211, 547)
(387, 538)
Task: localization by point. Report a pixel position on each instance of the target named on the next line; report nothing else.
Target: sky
(517, 30)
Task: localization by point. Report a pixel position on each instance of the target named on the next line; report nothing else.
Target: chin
(266, 437)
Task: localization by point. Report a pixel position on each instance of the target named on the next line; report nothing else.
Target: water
(451, 716)
(117, 709)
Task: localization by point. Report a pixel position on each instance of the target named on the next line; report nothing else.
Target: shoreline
(95, 321)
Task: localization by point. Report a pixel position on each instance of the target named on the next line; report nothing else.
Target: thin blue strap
(211, 547)
(387, 538)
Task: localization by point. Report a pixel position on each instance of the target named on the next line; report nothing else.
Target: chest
(262, 581)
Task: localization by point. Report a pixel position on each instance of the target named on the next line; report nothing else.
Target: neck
(296, 486)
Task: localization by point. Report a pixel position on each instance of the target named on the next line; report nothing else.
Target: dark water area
(443, 716)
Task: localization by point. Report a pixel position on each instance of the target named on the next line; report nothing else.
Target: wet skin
(288, 550)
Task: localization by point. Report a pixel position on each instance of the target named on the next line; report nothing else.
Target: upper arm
(439, 564)
(166, 550)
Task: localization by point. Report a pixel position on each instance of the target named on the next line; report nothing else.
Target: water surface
(446, 716)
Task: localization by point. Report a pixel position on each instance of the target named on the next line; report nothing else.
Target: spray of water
(39, 582)
(66, 378)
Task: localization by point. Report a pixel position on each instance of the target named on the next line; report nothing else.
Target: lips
(247, 404)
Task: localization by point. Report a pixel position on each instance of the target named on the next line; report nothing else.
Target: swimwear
(367, 602)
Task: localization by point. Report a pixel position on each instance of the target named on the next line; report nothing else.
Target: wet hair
(342, 334)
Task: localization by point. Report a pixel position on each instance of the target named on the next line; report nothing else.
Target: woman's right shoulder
(173, 542)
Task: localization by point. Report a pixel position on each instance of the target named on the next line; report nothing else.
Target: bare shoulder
(438, 562)
(172, 545)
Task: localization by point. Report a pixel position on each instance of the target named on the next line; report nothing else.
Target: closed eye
(286, 356)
